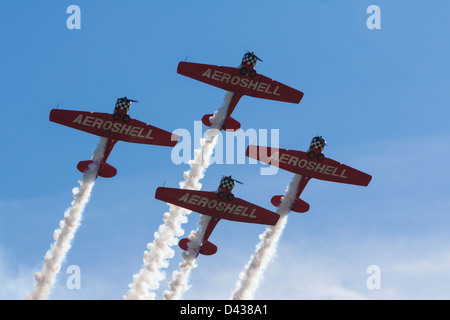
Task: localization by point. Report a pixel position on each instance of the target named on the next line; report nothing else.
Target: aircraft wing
(299, 163)
(103, 124)
(230, 79)
(208, 203)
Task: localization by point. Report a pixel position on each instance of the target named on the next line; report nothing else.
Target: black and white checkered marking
(227, 183)
(318, 143)
(250, 59)
(123, 104)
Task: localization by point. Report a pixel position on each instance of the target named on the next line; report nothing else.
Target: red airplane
(218, 205)
(242, 80)
(115, 127)
(309, 164)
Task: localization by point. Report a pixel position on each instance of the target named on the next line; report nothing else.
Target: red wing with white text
(118, 126)
(218, 205)
(309, 164)
(231, 79)
(299, 162)
(104, 125)
(243, 80)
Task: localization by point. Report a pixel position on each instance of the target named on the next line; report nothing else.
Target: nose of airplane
(124, 103)
(227, 183)
(318, 142)
(249, 58)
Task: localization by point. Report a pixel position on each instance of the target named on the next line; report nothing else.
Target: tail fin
(299, 205)
(206, 249)
(107, 171)
(230, 123)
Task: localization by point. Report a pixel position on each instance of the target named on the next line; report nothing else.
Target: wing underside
(298, 162)
(231, 79)
(103, 125)
(208, 203)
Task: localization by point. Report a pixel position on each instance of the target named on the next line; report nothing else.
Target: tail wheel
(311, 154)
(252, 73)
(221, 195)
(116, 116)
(230, 197)
(126, 118)
(243, 71)
(320, 157)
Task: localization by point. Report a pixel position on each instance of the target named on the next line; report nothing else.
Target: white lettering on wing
(311, 165)
(241, 81)
(116, 127)
(220, 206)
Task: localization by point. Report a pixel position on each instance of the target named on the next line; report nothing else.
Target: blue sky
(379, 98)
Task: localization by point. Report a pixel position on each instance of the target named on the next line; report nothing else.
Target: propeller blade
(130, 100)
(229, 177)
(253, 54)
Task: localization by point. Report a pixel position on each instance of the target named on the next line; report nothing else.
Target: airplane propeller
(129, 100)
(229, 177)
(253, 54)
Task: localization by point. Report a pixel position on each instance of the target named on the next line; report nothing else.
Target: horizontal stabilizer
(183, 244)
(107, 171)
(206, 249)
(299, 205)
(230, 123)
(206, 120)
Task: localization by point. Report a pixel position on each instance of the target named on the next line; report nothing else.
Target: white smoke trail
(159, 251)
(46, 278)
(265, 250)
(179, 283)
